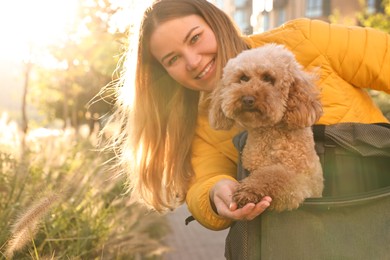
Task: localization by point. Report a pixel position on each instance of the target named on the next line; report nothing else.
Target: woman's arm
(213, 159)
(361, 56)
(209, 198)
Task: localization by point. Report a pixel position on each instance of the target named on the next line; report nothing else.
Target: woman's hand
(221, 196)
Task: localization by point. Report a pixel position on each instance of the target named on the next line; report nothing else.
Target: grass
(59, 201)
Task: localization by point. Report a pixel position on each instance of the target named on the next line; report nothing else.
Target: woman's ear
(303, 105)
(217, 117)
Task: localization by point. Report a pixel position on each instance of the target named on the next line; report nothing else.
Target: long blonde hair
(154, 144)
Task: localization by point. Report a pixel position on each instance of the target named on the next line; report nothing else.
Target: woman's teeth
(207, 69)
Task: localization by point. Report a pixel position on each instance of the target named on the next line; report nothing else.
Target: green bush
(59, 201)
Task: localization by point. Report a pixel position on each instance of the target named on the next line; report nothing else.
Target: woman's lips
(206, 69)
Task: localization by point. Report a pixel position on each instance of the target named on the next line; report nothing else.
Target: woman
(166, 145)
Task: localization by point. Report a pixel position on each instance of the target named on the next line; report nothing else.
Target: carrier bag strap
(239, 142)
(327, 153)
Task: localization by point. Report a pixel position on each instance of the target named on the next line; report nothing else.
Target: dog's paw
(245, 194)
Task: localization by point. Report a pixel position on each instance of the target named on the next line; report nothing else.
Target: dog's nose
(248, 101)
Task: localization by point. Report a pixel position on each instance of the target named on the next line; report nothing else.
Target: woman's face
(186, 47)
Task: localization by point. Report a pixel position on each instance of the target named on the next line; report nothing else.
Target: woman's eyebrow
(184, 40)
(165, 57)
(189, 33)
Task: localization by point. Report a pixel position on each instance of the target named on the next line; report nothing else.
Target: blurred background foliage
(90, 217)
(55, 156)
(379, 20)
(87, 59)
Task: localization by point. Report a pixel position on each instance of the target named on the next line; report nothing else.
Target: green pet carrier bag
(350, 221)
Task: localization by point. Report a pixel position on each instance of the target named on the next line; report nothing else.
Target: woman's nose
(192, 60)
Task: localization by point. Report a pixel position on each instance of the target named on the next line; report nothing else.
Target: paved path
(193, 242)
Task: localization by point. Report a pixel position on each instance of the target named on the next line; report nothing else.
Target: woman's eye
(244, 78)
(172, 60)
(195, 38)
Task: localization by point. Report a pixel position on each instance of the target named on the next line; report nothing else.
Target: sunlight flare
(25, 24)
(133, 16)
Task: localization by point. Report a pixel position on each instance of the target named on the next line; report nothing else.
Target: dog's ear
(217, 117)
(303, 105)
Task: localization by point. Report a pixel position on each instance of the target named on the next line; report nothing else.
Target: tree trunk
(24, 97)
(65, 106)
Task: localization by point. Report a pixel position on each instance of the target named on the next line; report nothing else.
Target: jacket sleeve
(361, 56)
(213, 159)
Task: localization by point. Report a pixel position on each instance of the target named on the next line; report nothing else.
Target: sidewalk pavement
(193, 242)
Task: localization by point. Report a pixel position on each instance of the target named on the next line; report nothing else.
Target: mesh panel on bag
(365, 139)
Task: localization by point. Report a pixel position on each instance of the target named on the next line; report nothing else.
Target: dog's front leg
(283, 186)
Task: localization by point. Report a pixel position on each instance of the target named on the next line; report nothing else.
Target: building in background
(239, 10)
(254, 16)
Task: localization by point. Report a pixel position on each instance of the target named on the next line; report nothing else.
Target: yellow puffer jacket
(349, 58)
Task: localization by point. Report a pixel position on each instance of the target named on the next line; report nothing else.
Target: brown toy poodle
(266, 92)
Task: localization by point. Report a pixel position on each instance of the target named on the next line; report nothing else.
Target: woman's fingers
(249, 211)
(233, 206)
(221, 197)
(259, 208)
(241, 213)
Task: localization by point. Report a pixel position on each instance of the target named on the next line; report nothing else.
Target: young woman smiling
(166, 145)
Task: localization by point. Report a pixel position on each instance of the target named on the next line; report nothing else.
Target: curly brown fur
(266, 92)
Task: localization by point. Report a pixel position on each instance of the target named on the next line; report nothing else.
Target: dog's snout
(248, 101)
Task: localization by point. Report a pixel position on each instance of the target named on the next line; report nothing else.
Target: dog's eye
(244, 78)
(268, 78)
